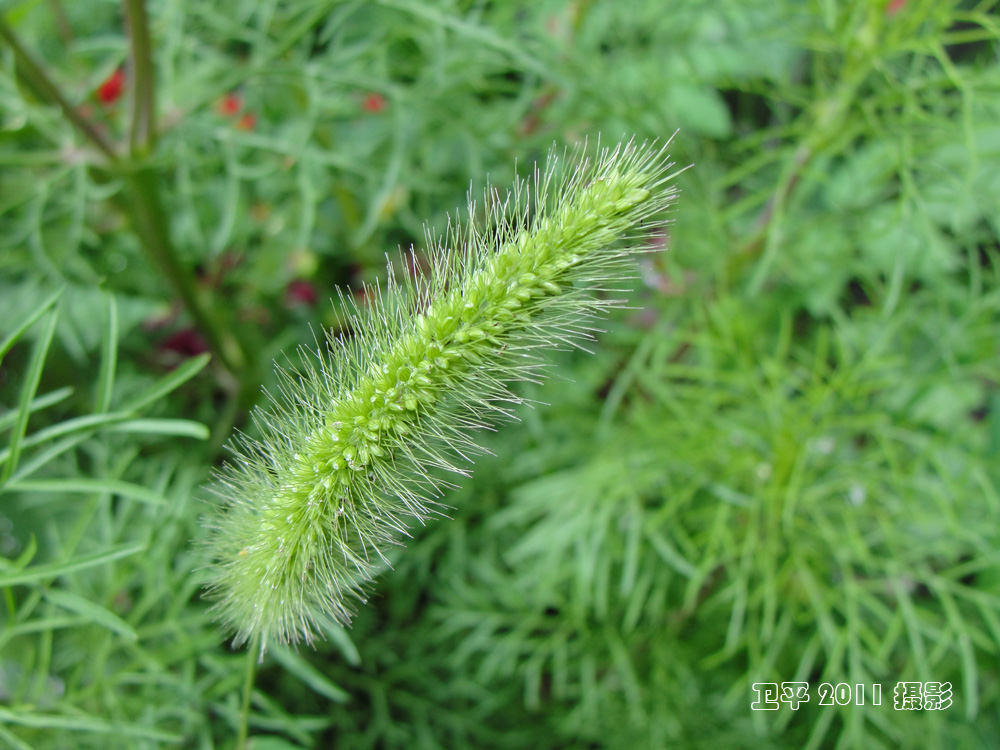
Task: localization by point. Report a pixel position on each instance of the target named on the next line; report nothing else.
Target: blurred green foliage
(782, 465)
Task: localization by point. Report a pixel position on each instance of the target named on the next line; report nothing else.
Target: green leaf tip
(353, 446)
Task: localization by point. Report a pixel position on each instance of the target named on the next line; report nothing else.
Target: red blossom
(247, 122)
(112, 88)
(229, 105)
(374, 103)
(186, 342)
(299, 293)
(894, 7)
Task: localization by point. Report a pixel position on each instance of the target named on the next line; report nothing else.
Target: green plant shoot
(353, 447)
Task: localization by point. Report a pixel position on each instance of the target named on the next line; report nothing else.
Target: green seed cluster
(355, 447)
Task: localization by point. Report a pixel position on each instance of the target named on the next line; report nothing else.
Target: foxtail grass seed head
(353, 446)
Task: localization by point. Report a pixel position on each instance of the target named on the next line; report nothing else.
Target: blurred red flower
(186, 342)
(300, 293)
(229, 105)
(374, 103)
(247, 122)
(112, 88)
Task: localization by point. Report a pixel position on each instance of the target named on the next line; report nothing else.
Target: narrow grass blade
(308, 674)
(42, 402)
(84, 724)
(27, 396)
(169, 383)
(7, 344)
(109, 361)
(54, 570)
(172, 427)
(94, 613)
(69, 427)
(80, 485)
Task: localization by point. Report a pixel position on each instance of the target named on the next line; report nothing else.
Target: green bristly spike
(352, 447)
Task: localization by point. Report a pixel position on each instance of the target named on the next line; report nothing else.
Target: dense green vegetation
(779, 464)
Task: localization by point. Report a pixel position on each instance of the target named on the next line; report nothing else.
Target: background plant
(784, 464)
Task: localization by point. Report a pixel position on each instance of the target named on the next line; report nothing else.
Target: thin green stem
(250, 674)
(45, 89)
(144, 206)
(827, 117)
(62, 21)
(143, 135)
